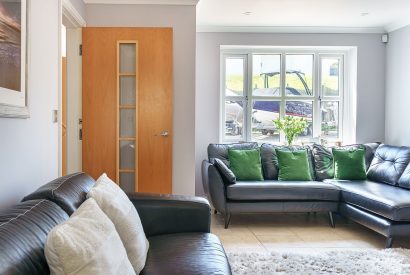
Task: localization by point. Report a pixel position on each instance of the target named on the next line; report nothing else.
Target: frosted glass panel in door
(127, 123)
(127, 58)
(127, 181)
(127, 90)
(127, 155)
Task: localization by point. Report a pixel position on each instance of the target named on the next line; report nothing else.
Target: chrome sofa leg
(227, 219)
(332, 222)
(389, 242)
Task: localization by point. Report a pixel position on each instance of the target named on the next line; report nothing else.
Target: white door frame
(73, 18)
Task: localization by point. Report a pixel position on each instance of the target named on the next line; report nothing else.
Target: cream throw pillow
(118, 207)
(86, 244)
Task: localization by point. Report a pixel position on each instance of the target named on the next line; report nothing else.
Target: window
(257, 87)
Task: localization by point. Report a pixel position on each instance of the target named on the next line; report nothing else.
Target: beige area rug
(366, 261)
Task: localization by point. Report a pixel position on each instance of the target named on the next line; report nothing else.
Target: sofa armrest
(215, 186)
(167, 214)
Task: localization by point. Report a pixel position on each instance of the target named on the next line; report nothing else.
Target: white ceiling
(331, 16)
(143, 2)
(303, 15)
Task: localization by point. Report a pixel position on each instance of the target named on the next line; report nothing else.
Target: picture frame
(14, 59)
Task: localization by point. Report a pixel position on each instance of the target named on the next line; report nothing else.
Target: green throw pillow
(293, 165)
(349, 164)
(246, 164)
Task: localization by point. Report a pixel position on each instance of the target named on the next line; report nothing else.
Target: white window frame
(318, 97)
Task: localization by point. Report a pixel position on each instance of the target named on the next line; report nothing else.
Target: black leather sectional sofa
(382, 202)
(177, 227)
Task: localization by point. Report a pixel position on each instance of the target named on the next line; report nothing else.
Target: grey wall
(398, 88)
(183, 21)
(29, 147)
(370, 81)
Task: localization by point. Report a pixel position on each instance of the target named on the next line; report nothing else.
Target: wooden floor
(295, 233)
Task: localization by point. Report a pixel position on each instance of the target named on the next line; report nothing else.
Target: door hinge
(80, 49)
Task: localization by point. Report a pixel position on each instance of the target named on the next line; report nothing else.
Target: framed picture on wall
(13, 58)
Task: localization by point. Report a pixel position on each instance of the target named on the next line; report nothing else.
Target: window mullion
(317, 120)
(248, 98)
(282, 92)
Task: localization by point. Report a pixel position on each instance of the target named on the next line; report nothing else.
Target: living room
(250, 137)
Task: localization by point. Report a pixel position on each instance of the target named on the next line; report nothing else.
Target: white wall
(29, 147)
(370, 81)
(398, 88)
(182, 20)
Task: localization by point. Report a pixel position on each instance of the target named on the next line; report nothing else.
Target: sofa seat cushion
(382, 199)
(186, 253)
(283, 191)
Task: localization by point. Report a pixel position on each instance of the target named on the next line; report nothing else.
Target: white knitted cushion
(117, 206)
(86, 244)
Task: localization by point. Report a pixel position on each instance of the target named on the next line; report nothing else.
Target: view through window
(258, 88)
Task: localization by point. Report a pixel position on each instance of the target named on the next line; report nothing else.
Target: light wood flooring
(300, 233)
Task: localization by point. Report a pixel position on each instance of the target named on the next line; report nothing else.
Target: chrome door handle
(164, 134)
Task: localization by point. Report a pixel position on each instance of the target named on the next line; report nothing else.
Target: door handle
(164, 134)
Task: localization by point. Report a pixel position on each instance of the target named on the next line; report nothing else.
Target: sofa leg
(215, 211)
(389, 242)
(227, 220)
(332, 222)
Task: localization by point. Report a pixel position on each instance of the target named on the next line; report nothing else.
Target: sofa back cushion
(220, 151)
(388, 164)
(23, 234)
(69, 192)
(270, 165)
(404, 180)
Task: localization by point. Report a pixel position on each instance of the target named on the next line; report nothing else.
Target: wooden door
(64, 116)
(154, 104)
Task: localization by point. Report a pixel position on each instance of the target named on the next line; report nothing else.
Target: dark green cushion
(246, 164)
(293, 165)
(349, 164)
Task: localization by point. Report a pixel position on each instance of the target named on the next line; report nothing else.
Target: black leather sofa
(177, 227)
(381, 203)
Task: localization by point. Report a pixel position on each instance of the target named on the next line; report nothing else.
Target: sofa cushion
(323, 158)
(323, 162)
(87, 244)
(227, 175)
(282, 191)
(246, 164)
(349, 164)
(220, 151)
(23, 234)
(388, 164)
(117, 206)
(188, 253)
(404, 180)
(388, 201)
(69, 192)
(270, 165)
(293, 165)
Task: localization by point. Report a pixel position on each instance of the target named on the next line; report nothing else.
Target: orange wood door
(154, 104)
(64, 116)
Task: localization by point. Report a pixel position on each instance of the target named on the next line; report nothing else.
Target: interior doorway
(70, 103)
